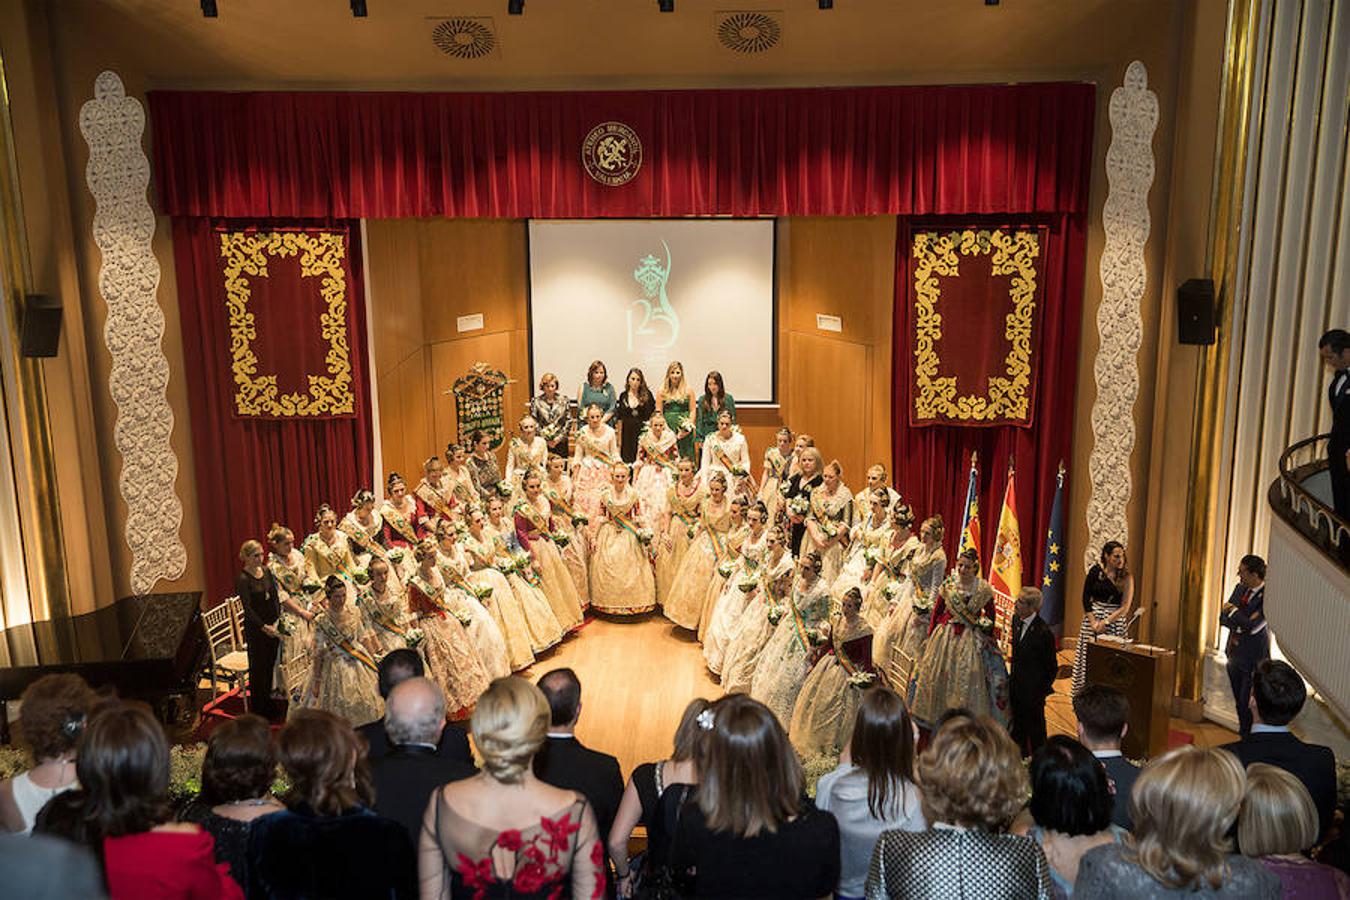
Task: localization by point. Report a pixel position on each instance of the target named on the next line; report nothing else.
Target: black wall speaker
(40, 334)
(1195, 312)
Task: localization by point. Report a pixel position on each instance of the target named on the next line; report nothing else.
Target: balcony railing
(1310, 514)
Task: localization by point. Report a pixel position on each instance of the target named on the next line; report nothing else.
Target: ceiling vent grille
(465, 38)
(749, 31)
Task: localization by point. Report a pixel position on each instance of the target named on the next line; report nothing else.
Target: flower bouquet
(578, 520)
(819, 635)
(831, 530)
(740, 472)
(747, 584)
(522, 561)
(861, 679)
(560, 538)
(725, 567)
(985, 624)
(922, 603)
(481, 592)
(395, 556)
(285, 626)
(464, 616)
(799, 507)
(505, 488)
(775, 613)
(361, 576)
(644, 536)
(414, 637)
(891, 589)
(311, 587)
(870, 555)
(785, 488)
(683, 426)
(551, 433)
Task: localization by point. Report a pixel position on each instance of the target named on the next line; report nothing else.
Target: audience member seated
(328, 843)
(1102, 713)
(406, 776)
(1184, 806)
(747, 830)
(873, 788)
(504, 832)
(237, 776)
(400, 665)
(121, 812)
(38, 867)
(1277, 825)
(974, 783)
(653, 797)
(1071, 806)
(564, 762)
(51, 717)
(1278, 694)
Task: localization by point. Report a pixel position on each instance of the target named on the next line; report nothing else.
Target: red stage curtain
(932, 462)
(254, 471)
(971, 149)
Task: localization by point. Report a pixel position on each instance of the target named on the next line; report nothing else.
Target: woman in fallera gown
(328, 553)
(751, 633)
(736, 589)
(707, 548)
(736, 535)
(523, 575)
(675, 402)
(961, 665)
(548, 408)
(463, 563)
(436, 494)
(343, 677)
(622, 582)
(384, 611)
(657, 454)
(726, 451)
(900, 635)
(635, 406)
(300, 599)
(777, 461)
(487, 474)
(472, 611)
(403, 515)
(459, 478)
(567, 520)
(538, 530)
(364, 529)
(684, 500)
(528, 452)
(823, 716)
(596, 451)
(786, 660)
(868, 540)
(452, 661)
(828, 521)
(876, 479)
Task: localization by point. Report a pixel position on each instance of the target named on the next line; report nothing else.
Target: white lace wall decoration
(118, 175)
(1125, 219)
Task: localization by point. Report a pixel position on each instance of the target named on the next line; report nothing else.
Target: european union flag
(1052, 577)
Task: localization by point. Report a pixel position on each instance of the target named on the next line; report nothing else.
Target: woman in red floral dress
(504, 833)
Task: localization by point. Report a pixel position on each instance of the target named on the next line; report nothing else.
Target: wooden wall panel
(472, 266)
(396, 290)
(834, 416)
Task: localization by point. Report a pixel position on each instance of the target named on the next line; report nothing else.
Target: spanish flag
(1006, 571)
(970, 522)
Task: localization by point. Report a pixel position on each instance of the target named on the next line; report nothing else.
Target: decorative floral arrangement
(725, 567)
(831, 530)
(481, 592)
(413, 637)
(748, 583)
(775, 614)
(464, 616)
(891, 589)
(785, 488)
(799, 507)
(684, 425)
(870, 555)
(922, 603)
(522, 561)
(551, 433)
(740, 472)
(507, 565)
(311, 587)
(578, 519)
(360, 576)
(395, 556)
(862, 679)
(286, 625)
(185, 774)
(820, 634)
(505, 488)
(561, 538)
(985, 623)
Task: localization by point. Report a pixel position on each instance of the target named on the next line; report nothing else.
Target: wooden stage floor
(638, 674)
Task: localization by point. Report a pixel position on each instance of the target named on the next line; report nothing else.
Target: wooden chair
(228, 654)
(295, 673)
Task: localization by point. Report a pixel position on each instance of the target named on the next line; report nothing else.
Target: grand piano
(146, 647)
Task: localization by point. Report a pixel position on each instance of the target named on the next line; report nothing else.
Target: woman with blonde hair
(504, 832)
(785, 660)
(1184, 805)
(675, 401)
(256, 588)
(548, 408)
(797, 492)
(707, 550)
(684, 502)
(1277, 825)
(973, 784)
(746, 830)
(597, 450)
(452, 660)
(622, 581)
(778, 459)
(829, 520)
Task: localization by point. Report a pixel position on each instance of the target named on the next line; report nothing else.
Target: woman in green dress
(713, 403)
(675, 401)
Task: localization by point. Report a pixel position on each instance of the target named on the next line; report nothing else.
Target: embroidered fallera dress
(900, 636)
(770, 487)
(452, 661)
(384, 616)
(736, 538)
(754, 629)
(402, 530)
(822, 719)
(342, 679)
(595, 454)
(685, 503)
(290, 575)
(534, 523)
(465, 569)
(622, 581)
(786, 659)
(961, 665)
(479, 624)
(438, 500)
(575, 555)
(697, 569)
(726, 455)
(732, 600)
(522, 457)
(366, 539)
(869, 539)
(656, 469)
(829, 512)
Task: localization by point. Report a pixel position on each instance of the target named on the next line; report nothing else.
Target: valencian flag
(1052, 578)
(970, 521)
(1005, 572)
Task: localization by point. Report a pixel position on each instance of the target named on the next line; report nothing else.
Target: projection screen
(646, 292)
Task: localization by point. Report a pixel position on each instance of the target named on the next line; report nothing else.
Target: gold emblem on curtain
(245, 256)
(612, 154)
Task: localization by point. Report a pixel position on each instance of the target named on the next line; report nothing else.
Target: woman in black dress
(1108, 595)
(636, 405)
(256, 588)
(797, 490)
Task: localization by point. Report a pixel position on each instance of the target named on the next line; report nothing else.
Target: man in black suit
(1278, 694)
(1102, 714)
(1248, 637)
(406, 776)
(564, 762)
(396, 667)
(1334, 347)
(1034, 666)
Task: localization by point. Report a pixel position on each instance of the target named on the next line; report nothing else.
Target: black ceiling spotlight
(359, 9)
(666, 5)
(515, 7)
(825, 4)
(991, 2)
(209, 9)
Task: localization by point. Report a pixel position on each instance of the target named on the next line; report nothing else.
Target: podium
(1145, 675)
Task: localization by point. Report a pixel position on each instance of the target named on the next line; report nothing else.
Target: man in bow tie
(1334, 347)
(1248, 637)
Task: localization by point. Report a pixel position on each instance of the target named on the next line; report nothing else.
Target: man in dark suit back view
(564, 762)
(1034, 667)
(1102, 714)
(396, 667)
(1278, 695)
(406, 776)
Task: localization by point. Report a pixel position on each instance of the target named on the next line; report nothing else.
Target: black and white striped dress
(1101, 597)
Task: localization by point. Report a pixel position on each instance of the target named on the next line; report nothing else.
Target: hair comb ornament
(705, 720)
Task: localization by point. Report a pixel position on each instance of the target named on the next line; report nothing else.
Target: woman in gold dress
(567, 520)
(597, 450)
(343, 677)
(684, 499)
(777, 461)
(828, 521)
(736, 589)
(706, 550)
(327, 552)
(822, 718)
(622, 582)
(459, 477)
(452, 661)
(519, 568)
(437, 495)
(300, 598)
(482, 626)
(751, 633)
(736, 535)
(961, 665)
(364, 529)
(871, 533)
(538, 529)
(899, 639)
(526, 453)
(384, 609)
(657, 455)
(876, 479)
(786, 659)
